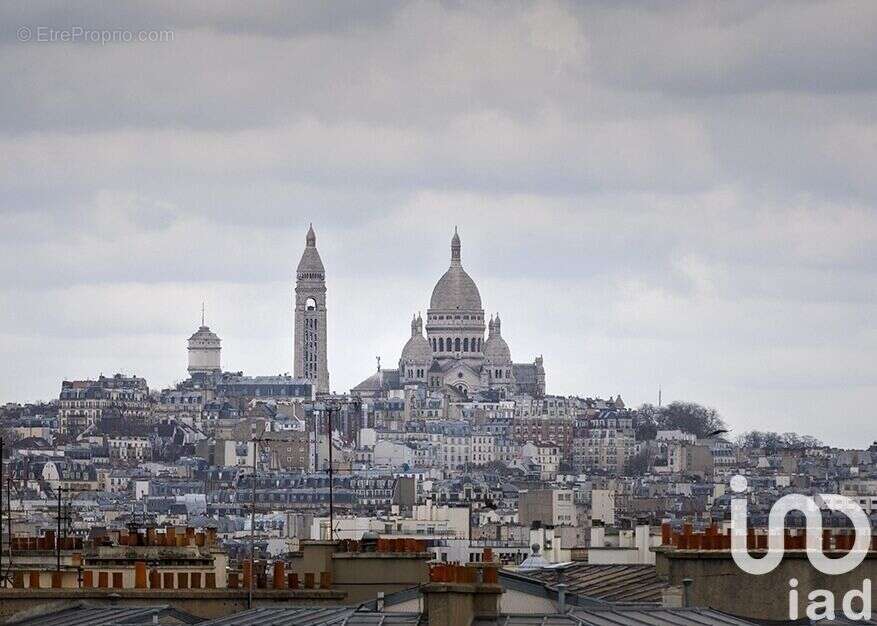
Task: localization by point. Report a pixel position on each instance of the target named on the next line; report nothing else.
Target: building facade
(82, 402)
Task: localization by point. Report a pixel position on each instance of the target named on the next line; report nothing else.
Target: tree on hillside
(691, 418)
(645, 422)
(771, 441)
(685, 416)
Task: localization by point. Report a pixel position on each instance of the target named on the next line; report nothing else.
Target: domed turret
(496, 350)
(417, 348)
(204, 350)
(416, 355)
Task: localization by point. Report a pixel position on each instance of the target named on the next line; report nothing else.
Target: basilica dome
(455, 290)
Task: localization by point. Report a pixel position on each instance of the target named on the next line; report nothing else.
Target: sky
(674, 195)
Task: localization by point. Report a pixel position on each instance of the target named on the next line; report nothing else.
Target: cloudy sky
(679, 196)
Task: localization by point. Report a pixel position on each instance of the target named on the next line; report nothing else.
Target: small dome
(534, 562)
(204, 334)
(417, 348)
(496, 350)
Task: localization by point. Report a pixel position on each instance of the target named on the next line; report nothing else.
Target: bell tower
(310, 317)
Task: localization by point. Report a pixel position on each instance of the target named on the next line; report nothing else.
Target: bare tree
(685, 416)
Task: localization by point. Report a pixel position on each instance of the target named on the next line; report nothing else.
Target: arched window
(466, 344)
(457, 344)
(441, 347)
(449, 344)
(310, 304)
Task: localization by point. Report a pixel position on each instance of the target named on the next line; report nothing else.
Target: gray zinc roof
(315, 616)
(621, 617)
(87, 615)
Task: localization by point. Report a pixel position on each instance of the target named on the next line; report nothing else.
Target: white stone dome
(455, 290)
(417, 350)
(496, 350)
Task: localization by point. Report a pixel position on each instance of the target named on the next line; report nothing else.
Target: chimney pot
(686, 591)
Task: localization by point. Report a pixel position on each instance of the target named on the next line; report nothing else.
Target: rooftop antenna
(659, 396)
(379, 362)
(202, 312)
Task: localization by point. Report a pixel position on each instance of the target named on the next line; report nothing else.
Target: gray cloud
(675, 195)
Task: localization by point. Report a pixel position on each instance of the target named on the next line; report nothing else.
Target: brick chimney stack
(459, 595)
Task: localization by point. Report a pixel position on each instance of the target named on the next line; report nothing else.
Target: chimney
(457, 595)
(642, 541)
(686, 591)
(598, 535)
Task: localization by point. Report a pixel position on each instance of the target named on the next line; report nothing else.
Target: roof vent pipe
(561, 598)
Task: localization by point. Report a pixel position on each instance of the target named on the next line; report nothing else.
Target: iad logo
(821, 600)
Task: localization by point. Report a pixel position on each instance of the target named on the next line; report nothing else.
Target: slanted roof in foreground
(610, 616)
(621, 617)
(315, 616)
(83, 614)
(612, 583)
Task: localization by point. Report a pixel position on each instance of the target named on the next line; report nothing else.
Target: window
(441, 344)
(457, 344)
(466, 344)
